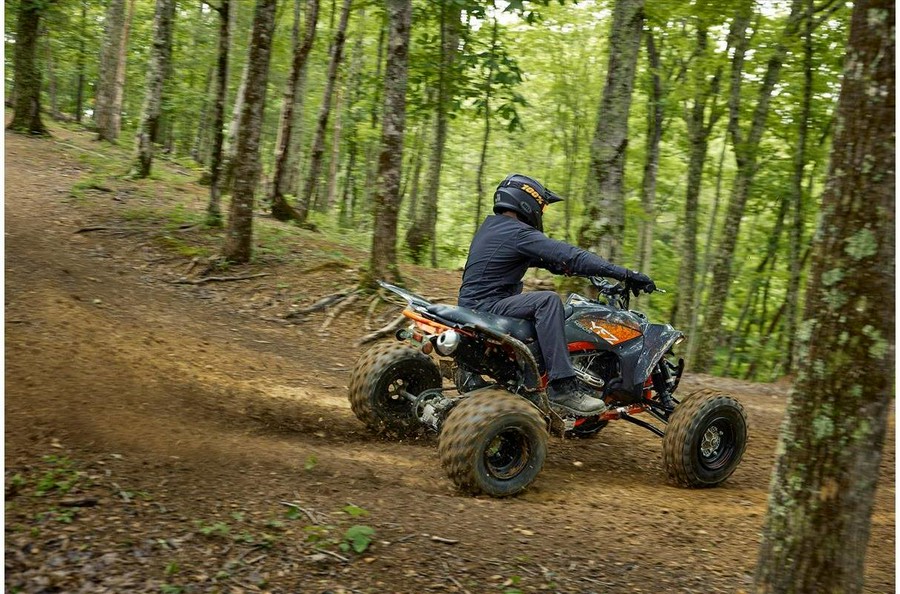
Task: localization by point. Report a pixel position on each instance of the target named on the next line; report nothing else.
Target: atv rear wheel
(493, 442)
(705, 439)
(378, 382)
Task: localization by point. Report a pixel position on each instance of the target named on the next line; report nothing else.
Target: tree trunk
(355, 114)
(214, 209)
(418, 149)
(820, 504)
(379, 57)
(745, 148)
(230, 146)
(113, 36)
(421, 234)
(797, 226)
(737, 340)
(281, 210)
(331, 192)
(651, 165)
(51, 78)
(318, 145)
(239, 236)
(345, 214)
(482, 160)
(383, 263)
(605, 214)
(160, 53)
(371, 145)
(27, 104)
(79, 85)
(199, 150)
(291, 174)
(699, 128)
(706, 266)
(570, 147)
(118, 97)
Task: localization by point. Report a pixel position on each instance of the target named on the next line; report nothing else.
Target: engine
(596, 369)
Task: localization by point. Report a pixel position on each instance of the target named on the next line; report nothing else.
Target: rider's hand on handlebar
(638, 281)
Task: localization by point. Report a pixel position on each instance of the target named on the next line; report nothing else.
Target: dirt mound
(163, 436)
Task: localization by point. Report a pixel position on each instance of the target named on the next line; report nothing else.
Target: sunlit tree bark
(281, 184)
(318, 146)
(604, 223)
(214, 209)
(113, 39)
(239, 236)
(421, 234)
(383, 262)
(160, 54)
(27, 101)
(700, 117)
(820, 504)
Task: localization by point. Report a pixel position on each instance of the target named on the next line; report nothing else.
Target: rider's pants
(545, 309)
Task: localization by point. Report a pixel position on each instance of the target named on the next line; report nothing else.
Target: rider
(505, 246)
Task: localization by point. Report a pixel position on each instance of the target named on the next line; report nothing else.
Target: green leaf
(359, 537)
(355, 511)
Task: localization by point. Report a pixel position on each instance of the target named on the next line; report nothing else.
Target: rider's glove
(638, 281)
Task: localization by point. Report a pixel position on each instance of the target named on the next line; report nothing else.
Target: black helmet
(526, 197)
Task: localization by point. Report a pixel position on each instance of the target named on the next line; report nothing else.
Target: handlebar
(618, 293)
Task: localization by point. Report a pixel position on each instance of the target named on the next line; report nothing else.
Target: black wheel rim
(507, 454)
(717, 444)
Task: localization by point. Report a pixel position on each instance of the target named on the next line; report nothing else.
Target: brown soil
(156, 430)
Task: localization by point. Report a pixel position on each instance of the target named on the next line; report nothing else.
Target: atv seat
(517, 328)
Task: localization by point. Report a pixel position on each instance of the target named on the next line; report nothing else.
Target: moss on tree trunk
(817, 527)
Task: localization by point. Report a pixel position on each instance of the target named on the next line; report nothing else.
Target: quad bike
(494, 422)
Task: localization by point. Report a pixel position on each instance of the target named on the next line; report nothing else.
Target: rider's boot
(570, 393)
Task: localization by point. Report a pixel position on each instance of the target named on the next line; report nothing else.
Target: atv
(494, 417)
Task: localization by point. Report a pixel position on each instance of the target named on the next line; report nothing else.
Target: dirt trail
(174, 422)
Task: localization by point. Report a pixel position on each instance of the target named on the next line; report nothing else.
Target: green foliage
(358, 538)
(219, 529)
(15, 483)
(60, 478)
(293, 513)
(318, 535)
(544, 72)
(355, 511)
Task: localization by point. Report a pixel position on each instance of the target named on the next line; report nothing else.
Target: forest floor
(170, 437)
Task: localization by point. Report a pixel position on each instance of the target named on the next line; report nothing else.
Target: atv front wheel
(493, 442)
(378, 383)
(705, 439)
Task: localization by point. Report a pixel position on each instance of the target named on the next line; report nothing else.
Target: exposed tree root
(383, 331)
(320, 304)
(370, 311)
(327, 264)
(338, 308)
(340, 302)
(95, 228)
(283, 211)
(217, 279)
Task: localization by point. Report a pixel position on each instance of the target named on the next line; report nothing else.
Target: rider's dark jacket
(504, 248)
